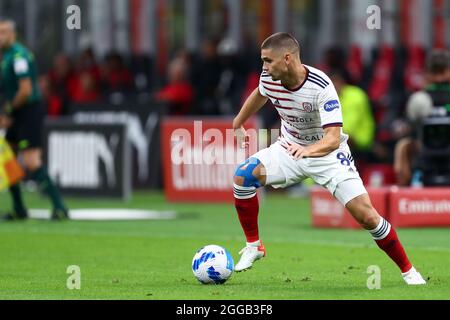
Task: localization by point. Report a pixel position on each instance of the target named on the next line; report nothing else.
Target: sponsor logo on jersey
(299, 120)
(307, 107)
(294, 120)
(331, 105)
(311, 138)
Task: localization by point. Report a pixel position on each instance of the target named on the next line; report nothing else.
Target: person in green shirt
(22, 116)
(359, 122)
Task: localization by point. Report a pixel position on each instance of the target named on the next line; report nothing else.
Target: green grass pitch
(152, 259)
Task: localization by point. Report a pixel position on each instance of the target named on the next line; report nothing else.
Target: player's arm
(253, 103)
(21, 66)
(330, 142)
(24, 91)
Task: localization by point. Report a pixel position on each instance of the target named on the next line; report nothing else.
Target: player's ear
(287, 58)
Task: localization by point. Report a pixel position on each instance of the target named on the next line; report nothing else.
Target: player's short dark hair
(438, 61)
(282, 40)
(9, 21)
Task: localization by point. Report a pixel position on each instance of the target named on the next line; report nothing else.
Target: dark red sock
(247, 210)
(393, 247)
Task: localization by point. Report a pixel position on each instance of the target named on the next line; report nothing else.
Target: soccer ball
(212, 264)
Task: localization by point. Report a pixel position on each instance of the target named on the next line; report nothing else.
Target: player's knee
(248, 174)
(370, 219)
(364, 213)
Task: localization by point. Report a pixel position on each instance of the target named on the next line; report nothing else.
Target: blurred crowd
(210, 83)
(83, 80)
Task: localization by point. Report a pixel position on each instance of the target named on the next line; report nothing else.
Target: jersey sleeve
(262, 91)
(329, 107)
(21, 66)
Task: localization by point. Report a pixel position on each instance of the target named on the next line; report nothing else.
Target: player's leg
(32, 160)
(19, 210)
(29, 144)
(352, 194)
(270, 166)
(402, 161)
(338, 174)
(248, 177)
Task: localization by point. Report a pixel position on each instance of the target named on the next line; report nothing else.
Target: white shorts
(335, 171)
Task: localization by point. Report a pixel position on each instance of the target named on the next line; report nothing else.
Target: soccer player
(311, 144)
(23, 116)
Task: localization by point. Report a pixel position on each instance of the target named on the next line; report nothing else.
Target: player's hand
(242, 137)
(297, 151)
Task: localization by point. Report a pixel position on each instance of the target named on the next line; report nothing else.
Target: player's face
(6, 35)
(274, 63)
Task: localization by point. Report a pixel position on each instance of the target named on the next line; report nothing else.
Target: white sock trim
(409, 271)
(256, 244)
(382, 230)
(241, 192)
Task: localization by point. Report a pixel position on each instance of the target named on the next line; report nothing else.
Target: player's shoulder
(318, 77)
(20, 51)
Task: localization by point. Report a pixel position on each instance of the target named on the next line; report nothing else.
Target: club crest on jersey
(307, 107)
(331, 105)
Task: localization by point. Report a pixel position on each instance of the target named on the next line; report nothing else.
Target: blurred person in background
(231, 77)
(359, 122)
(114, 75)
(178, 94)
(205, 78)
(86, 89)
(434, 99)
(86, 62)
(23, 116)
(334, 58)
(61, 80)
(86, 86)
(52, 101)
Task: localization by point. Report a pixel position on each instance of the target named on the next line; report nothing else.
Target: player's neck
(295, 78)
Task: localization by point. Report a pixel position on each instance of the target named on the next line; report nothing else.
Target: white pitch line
(107, 214)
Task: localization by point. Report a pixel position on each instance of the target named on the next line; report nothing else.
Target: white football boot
(249, 255)
(413, 277)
